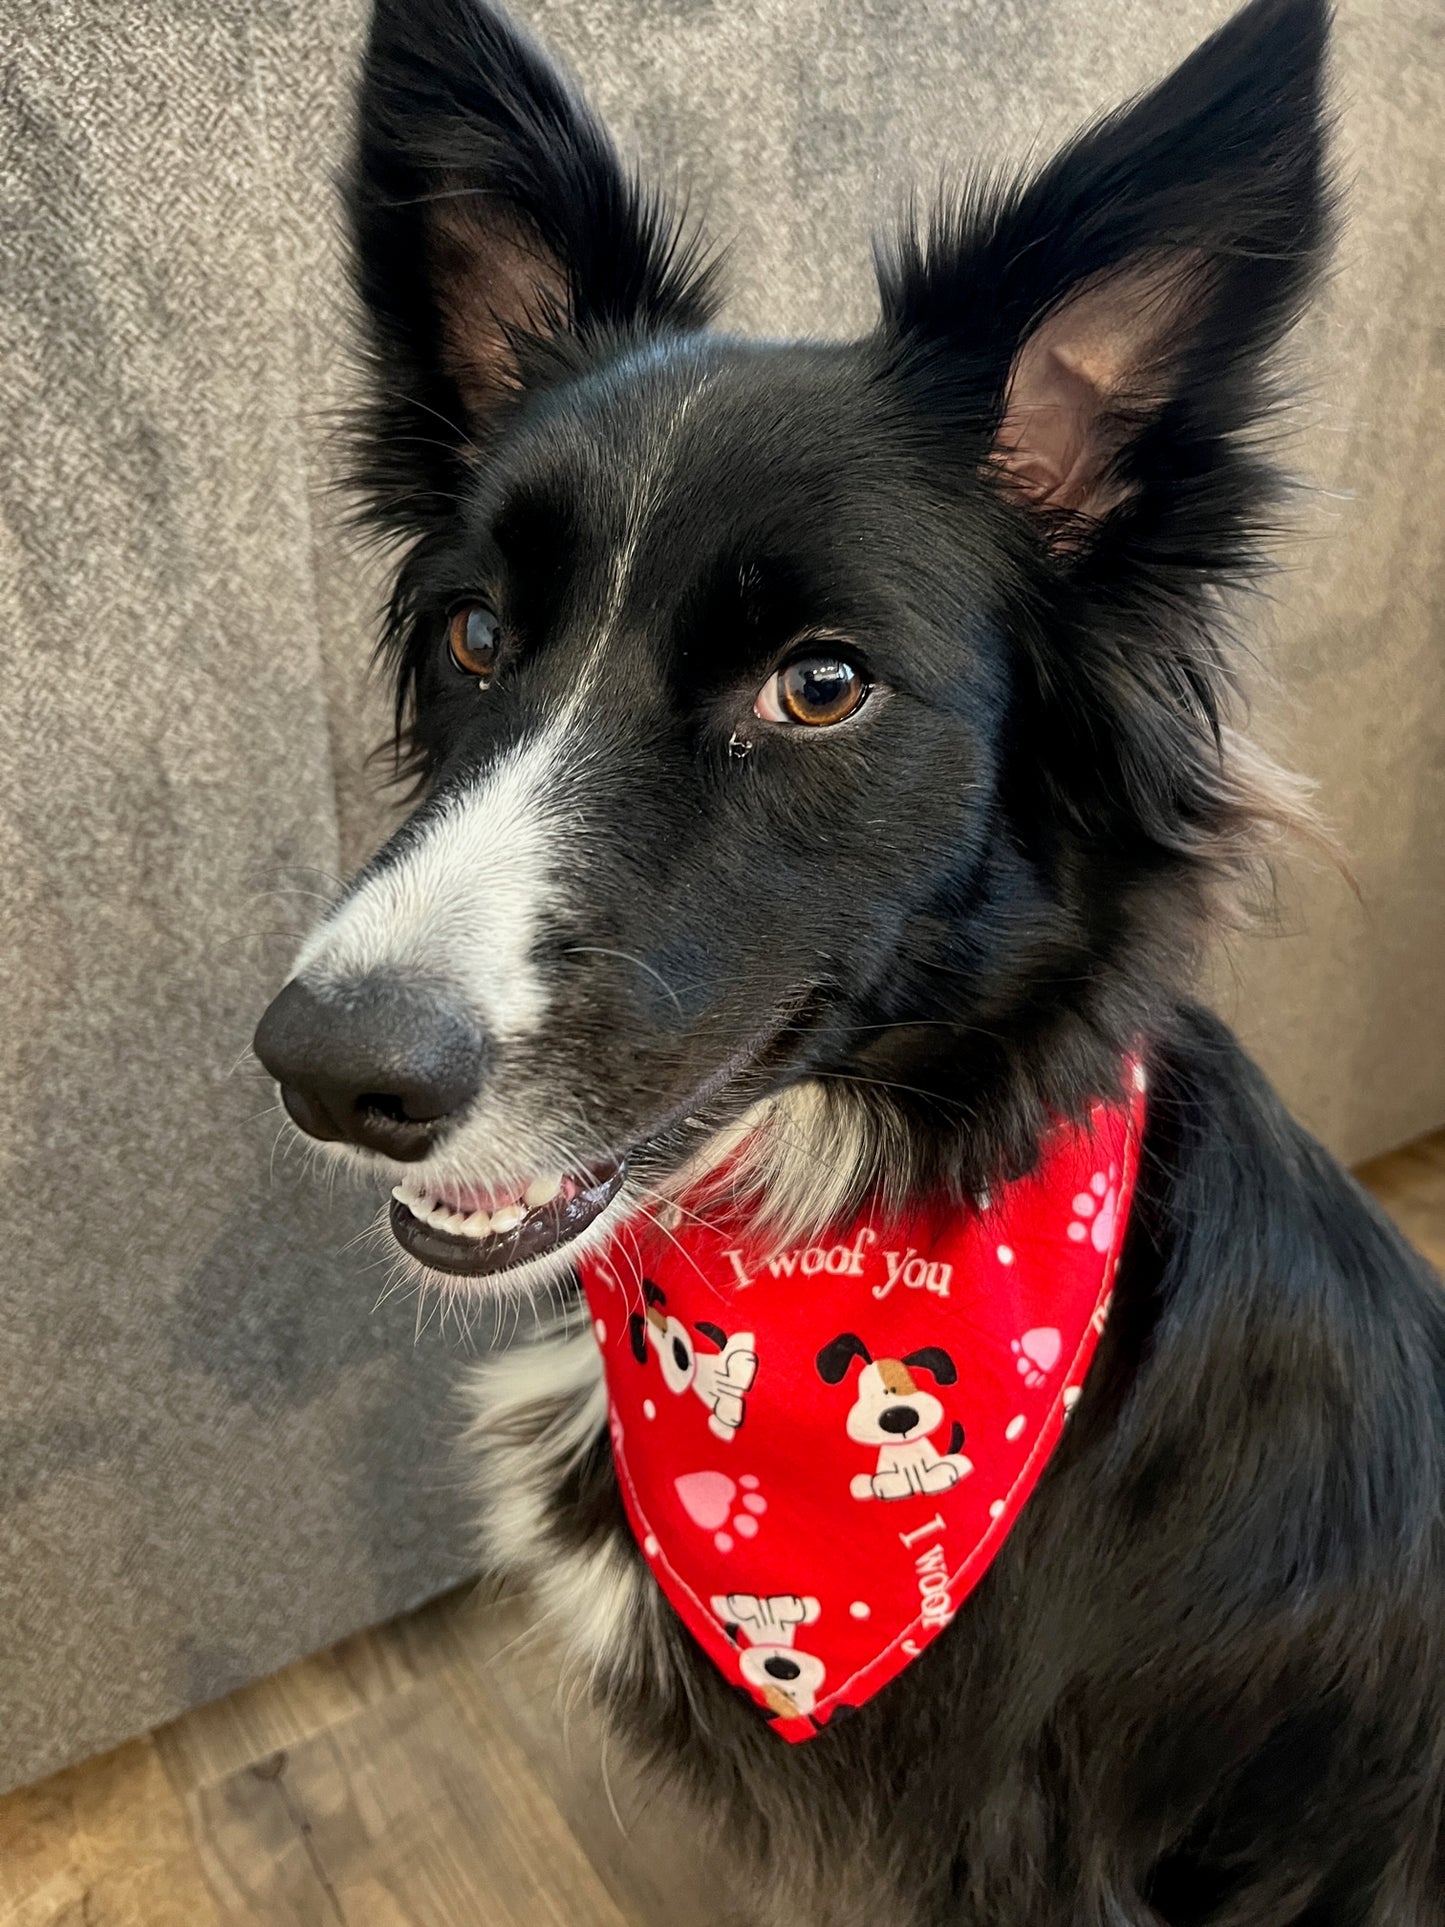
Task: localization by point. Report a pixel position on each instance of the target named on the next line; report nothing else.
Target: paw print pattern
(1036, 1354)
(708, 1499)
(1095, 1210)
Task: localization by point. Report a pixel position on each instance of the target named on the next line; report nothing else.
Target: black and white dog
(824, 765)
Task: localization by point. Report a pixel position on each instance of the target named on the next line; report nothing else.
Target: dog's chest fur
(553, 1522)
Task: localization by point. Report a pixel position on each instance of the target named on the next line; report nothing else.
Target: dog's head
(764, 1629)
(788, 1680)
(890, 1406)
(668, 1336)
(809, 733)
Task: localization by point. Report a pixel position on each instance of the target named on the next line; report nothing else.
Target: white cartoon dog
(720, 1379)
(892, 1412)
(788, 1680)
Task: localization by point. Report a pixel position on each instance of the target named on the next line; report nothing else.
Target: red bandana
(822, 1448)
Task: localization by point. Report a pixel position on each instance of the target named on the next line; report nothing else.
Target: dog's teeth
(477, 1224)
(508, 1218)
(399, 1192)
(541, 1191)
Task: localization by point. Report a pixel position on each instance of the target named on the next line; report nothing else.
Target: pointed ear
(1108, 320)
(494, 231)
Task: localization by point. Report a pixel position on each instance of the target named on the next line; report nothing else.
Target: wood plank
(105, 1844)
(648, 1848)
(420, 1811)
(211, 1742)
(1410, 1184)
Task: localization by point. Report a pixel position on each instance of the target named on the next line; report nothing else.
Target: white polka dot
(1005, 1254)
(649, 1546)
(1077, 1232)
(748, 1479)
(1014, 1427)
(860, 1609)
(649, 1410)
(1084, 1204)
(745, 1525)
(723, 1541)
(1072, 1395)
(995, 1511)
(1098, 1184)
(601, 1330)
(755, 1502)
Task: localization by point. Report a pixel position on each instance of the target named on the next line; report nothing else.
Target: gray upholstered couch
(214, 1452)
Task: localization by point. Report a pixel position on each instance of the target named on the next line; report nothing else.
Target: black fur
(1204, 1681)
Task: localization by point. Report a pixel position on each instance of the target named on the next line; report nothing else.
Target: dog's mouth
(471, 1232)
(474, 1231)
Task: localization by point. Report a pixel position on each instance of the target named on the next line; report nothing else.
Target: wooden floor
(423, 1775)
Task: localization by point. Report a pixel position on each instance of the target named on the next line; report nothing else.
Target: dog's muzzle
(391, 1066)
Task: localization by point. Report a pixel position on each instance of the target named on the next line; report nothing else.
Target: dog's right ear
(496, 237)
(838, 1354)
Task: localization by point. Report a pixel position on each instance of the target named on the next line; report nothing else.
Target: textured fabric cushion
(213, 1453)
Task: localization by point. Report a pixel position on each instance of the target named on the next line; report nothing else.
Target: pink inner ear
(491, 275)
(1049, 439)
(1081, 377)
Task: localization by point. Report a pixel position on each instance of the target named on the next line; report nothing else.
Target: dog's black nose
(776, 1667)
(379, 1062)
(898, 1418)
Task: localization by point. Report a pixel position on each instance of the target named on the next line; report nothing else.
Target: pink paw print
(1094, 1211)
(708, 1498)
(1037, 1353)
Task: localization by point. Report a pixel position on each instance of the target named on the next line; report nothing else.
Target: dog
(720, 1378)
(892, 1413)
(827, 773)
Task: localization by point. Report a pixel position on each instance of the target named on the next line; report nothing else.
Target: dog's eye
(474, 637)
(814, 690)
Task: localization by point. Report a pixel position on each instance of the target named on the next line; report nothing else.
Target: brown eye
(815, 690)
(474, 638)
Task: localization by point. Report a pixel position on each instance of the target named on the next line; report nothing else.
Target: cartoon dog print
(892, 1412)
(788, 1679)
(721, 1379)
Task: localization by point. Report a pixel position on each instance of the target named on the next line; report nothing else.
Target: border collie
(826, 783)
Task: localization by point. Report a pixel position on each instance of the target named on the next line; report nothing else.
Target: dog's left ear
(495, 234)
(1102, 328)
(934, 1359)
